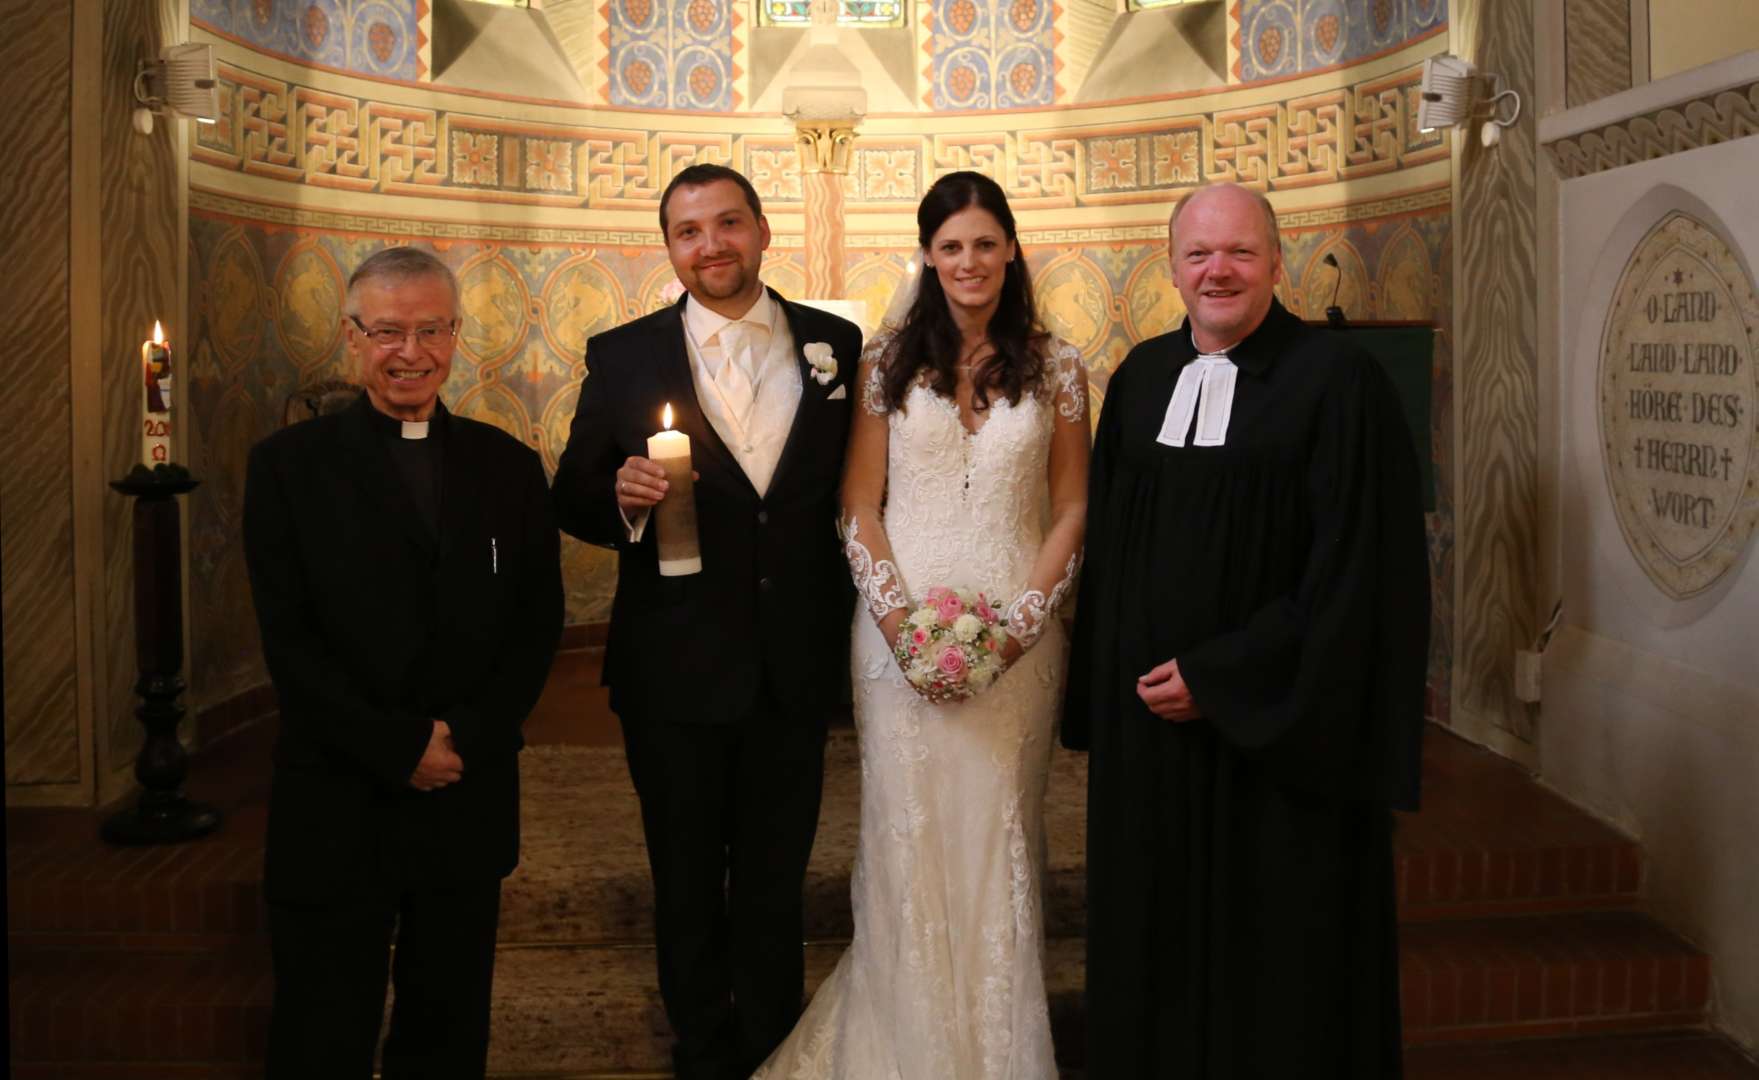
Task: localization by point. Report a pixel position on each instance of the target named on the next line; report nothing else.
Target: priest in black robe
(1248, 676)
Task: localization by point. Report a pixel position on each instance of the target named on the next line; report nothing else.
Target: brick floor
(1641, 1057)
(1521, 923)
(1548, 975)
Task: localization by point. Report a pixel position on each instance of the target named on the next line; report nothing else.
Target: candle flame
(668, 416)
(158, 333)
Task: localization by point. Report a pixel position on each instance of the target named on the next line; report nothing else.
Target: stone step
(1488, 842)
(559, 1009)
(1677, 1056)
(1619, 1057)
(583, 873)
(102, 1008)
(1542, 976)
(564, 1009)
(585, 1008)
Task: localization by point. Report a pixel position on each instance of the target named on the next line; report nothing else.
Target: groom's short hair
(708, 173)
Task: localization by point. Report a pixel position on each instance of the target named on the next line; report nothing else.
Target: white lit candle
(155, 362)
(675, 517)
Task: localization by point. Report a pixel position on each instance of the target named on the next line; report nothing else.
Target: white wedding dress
(944, 977)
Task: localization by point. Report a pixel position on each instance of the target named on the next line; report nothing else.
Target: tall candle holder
(162, 815)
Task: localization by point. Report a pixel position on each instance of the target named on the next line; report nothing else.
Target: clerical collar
(391, 427)
(1205, 391)
(1255, 353)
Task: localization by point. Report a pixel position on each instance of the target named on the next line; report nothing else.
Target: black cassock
(1240, 893)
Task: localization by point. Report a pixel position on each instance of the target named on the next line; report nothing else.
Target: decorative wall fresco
(1282, 38)
(1713, 118)
(383, 38)
(267, 270)
(691, 54)
(990, 54)
(672, 54)
(299, 133)
(267, 303)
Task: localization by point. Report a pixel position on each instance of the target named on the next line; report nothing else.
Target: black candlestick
(163, 815)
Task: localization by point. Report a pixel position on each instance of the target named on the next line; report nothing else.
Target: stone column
(825, 151)
(825, 99)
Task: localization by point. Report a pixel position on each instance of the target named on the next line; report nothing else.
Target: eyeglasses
(389, 337)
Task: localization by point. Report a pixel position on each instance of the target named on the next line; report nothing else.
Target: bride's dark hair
(929, 339)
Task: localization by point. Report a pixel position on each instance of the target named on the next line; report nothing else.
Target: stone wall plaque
(1679, 405)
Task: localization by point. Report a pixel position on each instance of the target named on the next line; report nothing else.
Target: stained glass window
(849, 13)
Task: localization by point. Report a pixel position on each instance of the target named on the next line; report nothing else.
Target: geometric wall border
(223, 204)
(282, 130)
(1714, 118)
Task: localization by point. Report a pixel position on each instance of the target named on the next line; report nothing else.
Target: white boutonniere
(824, 364)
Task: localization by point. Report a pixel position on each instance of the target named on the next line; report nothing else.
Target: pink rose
(951, 662)
(950, 606)
(919, 636)
(984, 611)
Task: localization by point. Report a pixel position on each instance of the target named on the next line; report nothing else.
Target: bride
(973, 423)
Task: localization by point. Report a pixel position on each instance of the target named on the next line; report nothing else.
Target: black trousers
(331, 964)
(729, 813)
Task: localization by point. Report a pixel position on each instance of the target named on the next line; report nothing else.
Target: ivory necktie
(734, 378)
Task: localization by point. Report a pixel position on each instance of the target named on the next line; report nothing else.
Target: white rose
(927, 617)
(824, 364)
(979, 677)
(966, 627)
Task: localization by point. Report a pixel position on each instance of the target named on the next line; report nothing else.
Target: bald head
(1234, 193)
(1222, 241)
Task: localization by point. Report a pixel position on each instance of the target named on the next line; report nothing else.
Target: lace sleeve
(1059, 558)
(1067, 377)
(872, 374)
(876, 580)
(862, 527)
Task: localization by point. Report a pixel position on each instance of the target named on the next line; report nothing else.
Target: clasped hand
(440, 764)
(1164, 691)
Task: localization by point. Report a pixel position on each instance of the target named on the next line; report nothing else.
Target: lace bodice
(967, 508)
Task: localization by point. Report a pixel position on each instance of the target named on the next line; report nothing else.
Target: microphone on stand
(1335, 314)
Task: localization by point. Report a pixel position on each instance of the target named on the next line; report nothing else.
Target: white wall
(1651, 707)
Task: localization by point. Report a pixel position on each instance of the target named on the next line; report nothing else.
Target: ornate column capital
(824, 145)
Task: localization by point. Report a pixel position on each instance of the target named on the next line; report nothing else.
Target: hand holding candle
(155, 359)
(675, 517)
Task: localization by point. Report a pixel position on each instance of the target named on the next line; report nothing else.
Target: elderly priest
(405, 569)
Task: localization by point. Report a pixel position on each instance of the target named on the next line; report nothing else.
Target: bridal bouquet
(950, 647)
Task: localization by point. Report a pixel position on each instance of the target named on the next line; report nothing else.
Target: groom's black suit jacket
(374, 626)
(773, 601)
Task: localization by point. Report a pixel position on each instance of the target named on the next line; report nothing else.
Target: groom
(723, 679)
